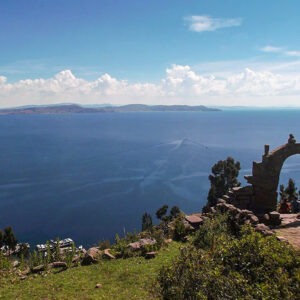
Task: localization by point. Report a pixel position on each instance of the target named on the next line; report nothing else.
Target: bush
(213, 231)
(220, 265)
(180, 231)
(4, 262)
(105, 244)
(120, 246)
(146, 222)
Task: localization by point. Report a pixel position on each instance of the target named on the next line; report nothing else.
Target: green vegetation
(219, 259)
(8, 238)
(131, 278)
(222, 265)
(224, 177)
(146, 222)
(161, 212)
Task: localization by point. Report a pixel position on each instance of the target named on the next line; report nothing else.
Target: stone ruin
(261, 196)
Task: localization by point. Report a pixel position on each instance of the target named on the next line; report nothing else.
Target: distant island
(75, 108)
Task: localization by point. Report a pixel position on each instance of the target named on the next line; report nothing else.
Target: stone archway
(265, 176)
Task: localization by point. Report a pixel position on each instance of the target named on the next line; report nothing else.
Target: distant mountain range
(75, 108)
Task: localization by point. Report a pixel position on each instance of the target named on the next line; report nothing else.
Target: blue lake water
(89, 176)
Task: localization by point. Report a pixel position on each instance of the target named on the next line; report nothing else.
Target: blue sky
(171, 51)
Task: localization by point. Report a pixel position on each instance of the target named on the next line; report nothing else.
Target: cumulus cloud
(281, 50)
(207, 23)
(181, 85)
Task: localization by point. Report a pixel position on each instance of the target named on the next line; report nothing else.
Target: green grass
(130, 278)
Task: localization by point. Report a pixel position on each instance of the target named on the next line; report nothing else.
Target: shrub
(161, 212)
(105, 244)
(9, 238)
(4, 262)
(146, 222)
(120, 246)
(175, 211)
(180, 231)
(220, 265)
(212, 231)
(70, 255)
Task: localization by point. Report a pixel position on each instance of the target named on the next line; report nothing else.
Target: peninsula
(75, 108)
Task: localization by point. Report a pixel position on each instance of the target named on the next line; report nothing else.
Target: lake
(89, 176)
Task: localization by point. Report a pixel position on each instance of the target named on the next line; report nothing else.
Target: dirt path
(290, 230)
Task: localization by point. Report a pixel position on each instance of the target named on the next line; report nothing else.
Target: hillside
(74, 109)
(130, 278)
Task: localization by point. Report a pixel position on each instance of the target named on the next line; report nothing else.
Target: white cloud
(207, 23)
(292, 53)
(181, 85)
(2, 79)
(272, 49)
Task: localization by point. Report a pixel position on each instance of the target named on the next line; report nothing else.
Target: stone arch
(265, 176)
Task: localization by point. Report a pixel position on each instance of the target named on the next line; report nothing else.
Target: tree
(161, 212)
(146, 222)
(282, 193)
(175, 212)
(9, 238)
(291, 191)
(224, 177)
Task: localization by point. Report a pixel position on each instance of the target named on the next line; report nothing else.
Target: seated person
(285, 207)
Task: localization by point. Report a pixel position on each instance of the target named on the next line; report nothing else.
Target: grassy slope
(130, 278)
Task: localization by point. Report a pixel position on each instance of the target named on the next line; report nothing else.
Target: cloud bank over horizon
(180, 85)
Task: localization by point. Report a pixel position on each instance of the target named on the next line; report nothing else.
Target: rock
(275, 218)
(141, 243)
(16, 263)
(194, 220)
(38, 268)
(247, 222)
(150, 255)
(235, 211)
(246, 212)
(98, 285)
(281, 238)
(253, 219)
(26, 272)
(59, 264)
(168, 241)
(224, 207)
(107, 254)
(220, 200)
(188, 226)
(76, 258)
(263, 229)
(226, 198)
(92, 256)
(266, 219)
(23, 277)
(212, 210)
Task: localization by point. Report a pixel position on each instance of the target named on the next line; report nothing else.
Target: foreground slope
(130, 278)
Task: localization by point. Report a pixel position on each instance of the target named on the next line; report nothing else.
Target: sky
(194, 52)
